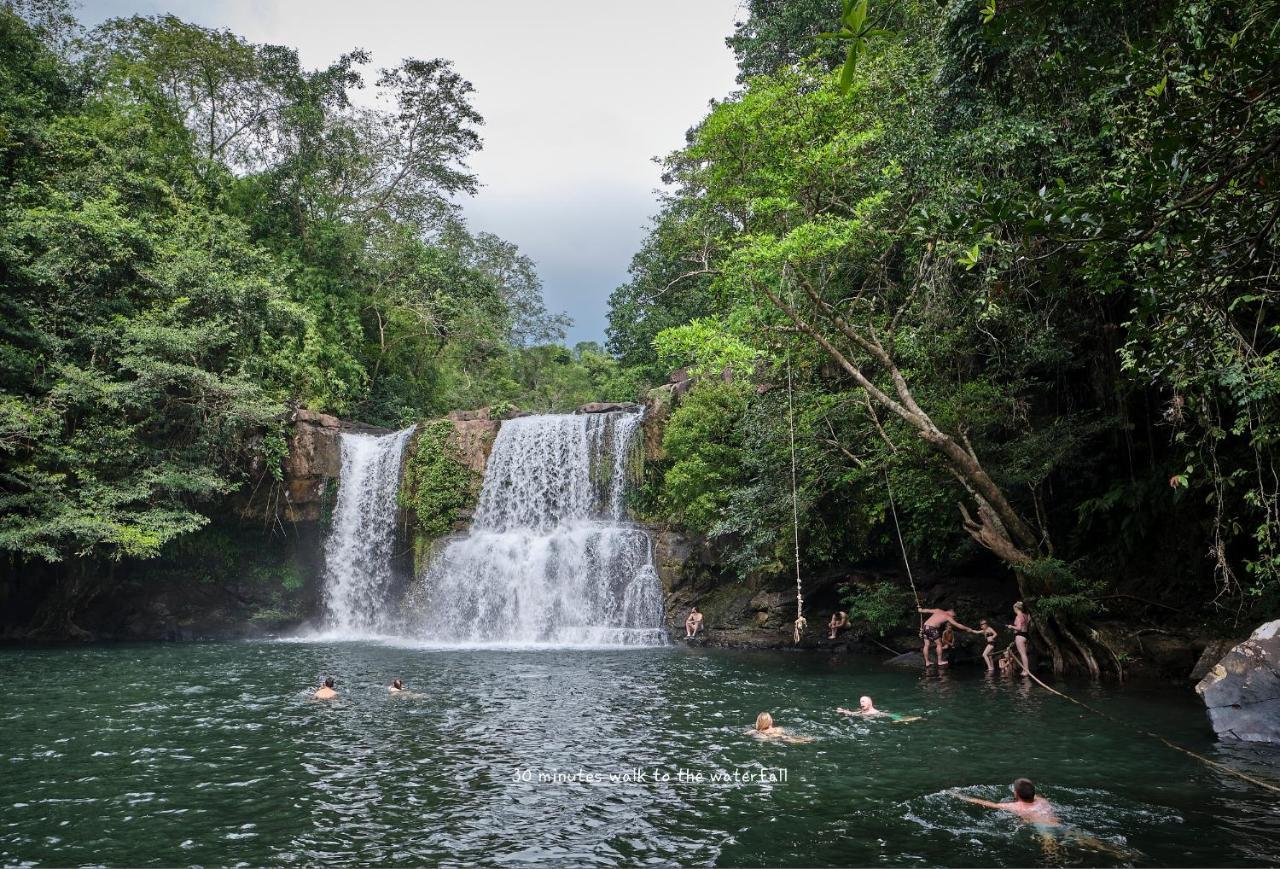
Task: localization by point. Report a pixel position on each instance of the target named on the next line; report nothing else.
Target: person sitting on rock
(692, 624)
(838, 621)
(325, 691)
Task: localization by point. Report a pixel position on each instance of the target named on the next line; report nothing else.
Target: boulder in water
(1242, 691)
(906, 659)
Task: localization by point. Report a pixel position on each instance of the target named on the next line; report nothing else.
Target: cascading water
(358, 552)
(549, 558)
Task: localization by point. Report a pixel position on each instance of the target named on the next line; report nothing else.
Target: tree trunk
(995, 524)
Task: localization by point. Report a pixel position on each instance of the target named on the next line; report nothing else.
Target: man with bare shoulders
(931, 630)
(325, 691)
(1026, 805)
(693, 624)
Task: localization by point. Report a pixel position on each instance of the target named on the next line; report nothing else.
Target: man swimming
(867, 709)
(396, 686)
(1026, 805)
(325, 691)
(765, 729)
(931, 630)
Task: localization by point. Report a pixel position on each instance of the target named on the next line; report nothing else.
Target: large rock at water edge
(1242, 691)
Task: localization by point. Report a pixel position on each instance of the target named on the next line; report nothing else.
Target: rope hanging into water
(1200, 757)
(795, 507)
(893, 509)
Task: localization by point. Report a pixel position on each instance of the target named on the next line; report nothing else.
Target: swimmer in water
(396, 686)
(765, 729)
(867, 709)
(1026, 805)
(1040, 813)
(325, 691)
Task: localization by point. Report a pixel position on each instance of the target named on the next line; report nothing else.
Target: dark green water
(213, 754)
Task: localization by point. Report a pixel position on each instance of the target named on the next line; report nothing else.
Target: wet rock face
(1242, 691)
(473, 436)
(311, 470)
(606, 406)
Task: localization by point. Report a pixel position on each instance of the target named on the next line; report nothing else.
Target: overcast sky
(578, 96)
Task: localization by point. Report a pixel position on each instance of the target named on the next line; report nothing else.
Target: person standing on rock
(991, 635)
(931, 631)
(1021, 625)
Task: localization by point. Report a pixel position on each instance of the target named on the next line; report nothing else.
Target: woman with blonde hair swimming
(766, 729)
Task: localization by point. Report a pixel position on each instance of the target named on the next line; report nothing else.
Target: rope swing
(1200, 757)
(801, 624)
(893, 510)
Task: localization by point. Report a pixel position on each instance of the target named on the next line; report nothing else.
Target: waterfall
(550, 558)
(358, 551)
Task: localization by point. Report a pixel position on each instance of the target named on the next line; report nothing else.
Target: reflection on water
(214, 754)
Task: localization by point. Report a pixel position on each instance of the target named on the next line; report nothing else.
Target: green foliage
(880, 607)
(435, 485)
(195, 232)
(703, 439)
(1062, 235)
(703, 346)
(1059, 590)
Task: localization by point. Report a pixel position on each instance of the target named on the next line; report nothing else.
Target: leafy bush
(436, 485)
(879, 608)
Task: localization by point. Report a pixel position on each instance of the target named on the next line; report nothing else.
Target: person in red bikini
(931, 630)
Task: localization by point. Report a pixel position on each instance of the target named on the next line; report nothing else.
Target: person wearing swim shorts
(931, 631)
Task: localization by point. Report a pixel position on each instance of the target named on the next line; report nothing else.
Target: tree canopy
(1020, 260)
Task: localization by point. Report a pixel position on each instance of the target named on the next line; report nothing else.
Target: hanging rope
(795, 508)
(1200, 757)
(893, 509)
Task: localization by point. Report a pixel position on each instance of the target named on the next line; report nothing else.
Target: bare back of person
(1038, 811)
(1026, 804)
(939, 618)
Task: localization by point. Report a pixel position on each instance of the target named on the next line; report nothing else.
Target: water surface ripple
(213, 754)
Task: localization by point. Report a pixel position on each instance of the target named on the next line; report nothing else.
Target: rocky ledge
(1242, 691)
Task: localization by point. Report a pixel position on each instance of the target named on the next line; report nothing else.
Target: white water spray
(549, 559)
(358, 552)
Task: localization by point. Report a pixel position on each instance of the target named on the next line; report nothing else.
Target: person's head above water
(764, 721)
(1024, 790)
(864, 703)
(397, 684)
(328, 681)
